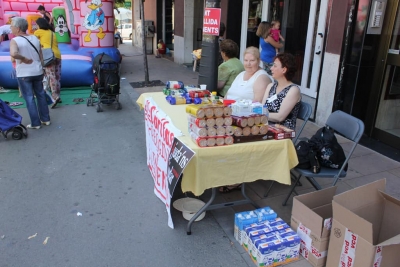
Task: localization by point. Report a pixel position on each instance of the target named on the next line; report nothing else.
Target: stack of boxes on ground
(358, 228)
(214, 121)
(312, 220)
(266, 237)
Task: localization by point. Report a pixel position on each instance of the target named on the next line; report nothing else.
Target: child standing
(276, 33)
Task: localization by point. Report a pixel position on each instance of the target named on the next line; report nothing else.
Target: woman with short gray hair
(25, 49)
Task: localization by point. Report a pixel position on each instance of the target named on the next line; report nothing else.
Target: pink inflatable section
(91, 27)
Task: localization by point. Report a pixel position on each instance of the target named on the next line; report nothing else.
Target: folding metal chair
(304, 114)
(345, 125)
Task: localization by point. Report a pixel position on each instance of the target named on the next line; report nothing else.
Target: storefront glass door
(303, 23)
(388, 117)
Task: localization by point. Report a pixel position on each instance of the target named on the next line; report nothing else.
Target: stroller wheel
(118, 106)
(98, 108)
(17, 134)
(88, 102)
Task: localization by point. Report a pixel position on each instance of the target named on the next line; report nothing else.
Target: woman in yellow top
(53, 71)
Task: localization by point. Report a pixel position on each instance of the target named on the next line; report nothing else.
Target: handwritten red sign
(160, 133)
(211, 21)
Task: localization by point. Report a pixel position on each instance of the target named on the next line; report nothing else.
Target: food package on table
(173, 92)
(199, 93)
(281, 132)
(239, 121)
(175, 85)
(178, 100)
(210, 141)
(196, 110)
(196, 121)
(201, 132)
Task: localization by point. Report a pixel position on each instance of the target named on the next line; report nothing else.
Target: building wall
(183, 38)
(150, 7)
(330, 68)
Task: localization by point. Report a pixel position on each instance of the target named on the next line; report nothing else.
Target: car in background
(125, 30)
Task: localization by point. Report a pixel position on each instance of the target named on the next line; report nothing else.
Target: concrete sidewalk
(365, 165)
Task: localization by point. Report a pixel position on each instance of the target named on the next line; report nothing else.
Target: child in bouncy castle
(276, 33)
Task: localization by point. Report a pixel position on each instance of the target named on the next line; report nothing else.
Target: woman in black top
(47, 16)
(283, 97)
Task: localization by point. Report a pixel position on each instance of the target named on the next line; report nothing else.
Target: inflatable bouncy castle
(84, 29)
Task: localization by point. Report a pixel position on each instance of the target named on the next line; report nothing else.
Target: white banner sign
(160, 133)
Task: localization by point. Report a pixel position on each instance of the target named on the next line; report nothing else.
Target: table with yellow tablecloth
(213, 167)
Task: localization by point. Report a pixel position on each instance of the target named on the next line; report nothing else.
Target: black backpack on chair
(330, 153)
(307, 156)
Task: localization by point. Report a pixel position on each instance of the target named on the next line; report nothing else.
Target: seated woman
(230, 68)
(283, 97)
(251, 83)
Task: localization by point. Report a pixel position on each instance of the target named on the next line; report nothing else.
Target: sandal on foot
(55, 103)
(230, 188)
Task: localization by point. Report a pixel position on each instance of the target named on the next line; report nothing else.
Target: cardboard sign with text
(179, 158)
(160, 134)
(211, 21)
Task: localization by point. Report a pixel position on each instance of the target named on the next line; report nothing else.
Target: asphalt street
(94, 164)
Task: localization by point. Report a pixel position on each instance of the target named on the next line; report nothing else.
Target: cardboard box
(366, 228)
(312, 220)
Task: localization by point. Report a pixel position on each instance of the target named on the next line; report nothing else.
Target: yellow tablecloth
(225, 165)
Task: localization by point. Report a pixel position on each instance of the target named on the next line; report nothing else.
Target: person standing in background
(53, 71)
(47, 16)
(25, 49)
(268, 45)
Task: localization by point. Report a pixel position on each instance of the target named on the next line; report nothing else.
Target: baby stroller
(10, 121)
(105, 88)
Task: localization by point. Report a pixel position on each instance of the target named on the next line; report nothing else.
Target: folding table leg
(208, 205)
(189, 225)
(291, 190)
(269, 189)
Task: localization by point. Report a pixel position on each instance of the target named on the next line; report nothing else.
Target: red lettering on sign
(378, 249)
(349, 261)
(211, 21)
(353, 241)
(316, 252)
(346, 247)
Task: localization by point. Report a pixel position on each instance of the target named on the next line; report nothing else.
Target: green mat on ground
(67, 96)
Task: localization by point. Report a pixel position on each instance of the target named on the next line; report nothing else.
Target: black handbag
(330, 153)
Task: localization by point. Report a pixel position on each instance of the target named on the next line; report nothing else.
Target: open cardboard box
(312, 219)
(366, 228)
